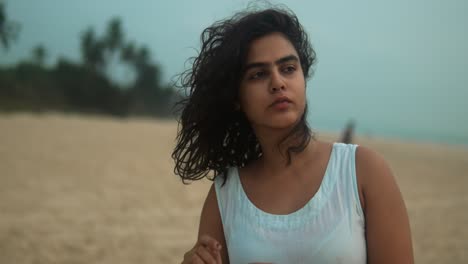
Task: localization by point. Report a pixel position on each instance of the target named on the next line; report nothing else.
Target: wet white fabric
(328, 229)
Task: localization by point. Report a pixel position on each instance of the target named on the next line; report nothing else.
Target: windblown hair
(213, 135)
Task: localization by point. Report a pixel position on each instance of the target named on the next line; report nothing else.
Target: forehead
(269, 48)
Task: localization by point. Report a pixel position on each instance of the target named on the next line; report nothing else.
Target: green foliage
(86, 90)
(8, 29)
(39, 54)
(114, 35)
(86, 86)
(92, 50)
(28, 86)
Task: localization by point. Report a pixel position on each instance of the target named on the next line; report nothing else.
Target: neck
(275, 157)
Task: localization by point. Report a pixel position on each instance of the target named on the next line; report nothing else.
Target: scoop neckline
(300, 211)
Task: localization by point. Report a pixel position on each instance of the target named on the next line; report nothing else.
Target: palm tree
(128, 53)
(92, 50)
(8, 29)
(39, 54)
(114, 36)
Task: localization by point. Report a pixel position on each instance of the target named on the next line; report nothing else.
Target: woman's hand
(206, 250)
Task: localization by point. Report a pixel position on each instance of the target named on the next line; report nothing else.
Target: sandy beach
(84, 189)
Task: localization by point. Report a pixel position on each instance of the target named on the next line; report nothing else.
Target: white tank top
(328, 229)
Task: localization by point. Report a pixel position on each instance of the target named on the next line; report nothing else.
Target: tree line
(86, 86)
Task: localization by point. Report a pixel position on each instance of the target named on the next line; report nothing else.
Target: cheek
(248, 105)
(249, 97)
(303, 96)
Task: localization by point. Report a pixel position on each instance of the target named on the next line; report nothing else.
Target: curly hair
(213, 135)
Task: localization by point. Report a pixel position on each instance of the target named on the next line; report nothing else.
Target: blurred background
(87, 123)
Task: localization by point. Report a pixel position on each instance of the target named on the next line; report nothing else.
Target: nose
(276, 83)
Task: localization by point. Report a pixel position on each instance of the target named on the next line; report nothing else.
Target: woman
(279, 195)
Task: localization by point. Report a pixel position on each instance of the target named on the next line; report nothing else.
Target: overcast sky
(388, 64)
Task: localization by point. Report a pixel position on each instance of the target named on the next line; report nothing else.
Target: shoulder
(379, 188)
(373, 173)
(211, 222)
(210, 213)
(365, 155)
(219, 192)
(388, 233)
(218, 188)
(371, 167)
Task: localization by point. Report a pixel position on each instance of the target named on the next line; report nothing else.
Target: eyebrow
(277, 62)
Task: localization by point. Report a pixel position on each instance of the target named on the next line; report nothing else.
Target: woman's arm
(211, 224)
(388, 232)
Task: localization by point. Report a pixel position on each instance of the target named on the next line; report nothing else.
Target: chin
(284, 122)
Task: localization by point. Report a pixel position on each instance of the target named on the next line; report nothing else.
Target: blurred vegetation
(84, 87)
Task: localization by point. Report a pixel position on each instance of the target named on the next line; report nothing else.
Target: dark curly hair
(213, 135)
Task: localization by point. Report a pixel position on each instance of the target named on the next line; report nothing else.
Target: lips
(281, 100)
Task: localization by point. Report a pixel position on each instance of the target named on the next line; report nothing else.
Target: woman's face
(272, 89)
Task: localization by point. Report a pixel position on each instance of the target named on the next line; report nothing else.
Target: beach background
(89, 189)
(86, 130)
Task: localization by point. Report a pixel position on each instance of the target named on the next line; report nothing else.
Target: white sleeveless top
(328, 229)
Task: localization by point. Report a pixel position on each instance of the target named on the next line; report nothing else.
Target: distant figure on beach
(279, 195)
(347, 136)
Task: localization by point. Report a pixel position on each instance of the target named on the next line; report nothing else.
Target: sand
(84, 189)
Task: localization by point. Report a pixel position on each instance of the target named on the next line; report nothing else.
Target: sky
(398, 68)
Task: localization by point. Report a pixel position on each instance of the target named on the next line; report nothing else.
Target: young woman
(279, 195)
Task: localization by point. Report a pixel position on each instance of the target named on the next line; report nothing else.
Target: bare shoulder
(368, 160)
(371, 167)
(210, 212)
(211, 223)
(388, 232)
(375, 177)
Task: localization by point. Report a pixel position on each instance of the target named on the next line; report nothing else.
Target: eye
(257, 75)
(289, 69)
